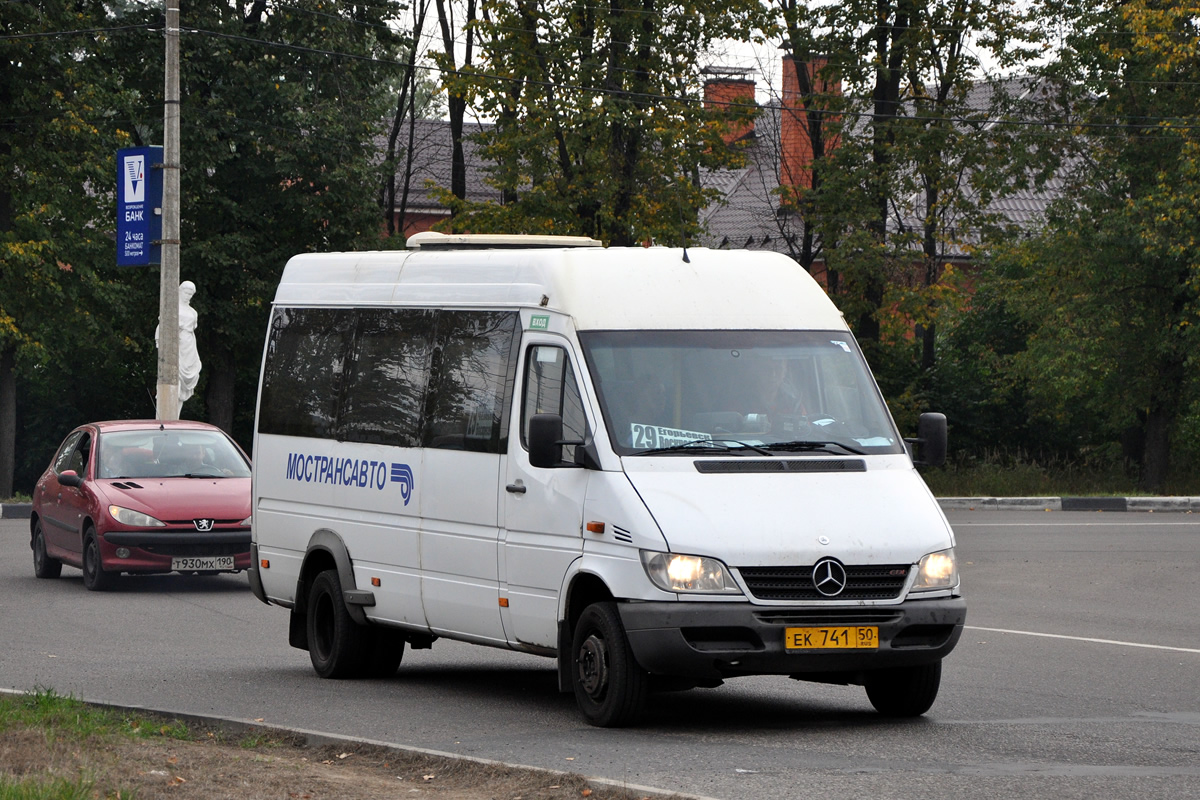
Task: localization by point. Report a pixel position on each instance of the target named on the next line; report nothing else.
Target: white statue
(189, 357)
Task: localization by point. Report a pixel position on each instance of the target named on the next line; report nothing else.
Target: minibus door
(543, 508)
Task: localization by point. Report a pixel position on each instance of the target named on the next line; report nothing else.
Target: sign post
(168, 290)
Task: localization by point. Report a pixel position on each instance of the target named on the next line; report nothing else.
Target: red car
(142, 496)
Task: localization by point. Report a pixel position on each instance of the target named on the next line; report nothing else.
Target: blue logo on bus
(403, 475)
(361, 472)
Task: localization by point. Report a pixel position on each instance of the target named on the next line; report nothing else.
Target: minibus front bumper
(711, 641)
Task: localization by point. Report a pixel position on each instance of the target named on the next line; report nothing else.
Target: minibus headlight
(937, 571)
(673, 572)
(134, 519)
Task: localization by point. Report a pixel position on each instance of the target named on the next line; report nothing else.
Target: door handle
(515, 488)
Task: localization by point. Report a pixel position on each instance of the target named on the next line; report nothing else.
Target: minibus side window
(472, 371)
(302, 376)
(551, 388)
(388, 377)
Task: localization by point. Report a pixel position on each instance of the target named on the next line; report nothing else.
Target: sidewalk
(1183, 504)
(1153, 504)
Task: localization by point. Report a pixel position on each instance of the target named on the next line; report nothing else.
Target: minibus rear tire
(904, 691)
(609, 686)
(337, 645)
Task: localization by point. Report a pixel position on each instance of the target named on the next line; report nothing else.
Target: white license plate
(202, 563)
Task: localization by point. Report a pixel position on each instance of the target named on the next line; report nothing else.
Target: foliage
(1111, 289)
(281, 110)
(598, 129)
(57, 173)
(913, 160)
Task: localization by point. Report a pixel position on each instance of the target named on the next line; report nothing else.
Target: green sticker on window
(539, 322)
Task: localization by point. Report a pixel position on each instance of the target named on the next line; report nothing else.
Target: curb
(1148, 504)
(16, 510)
(310, 738)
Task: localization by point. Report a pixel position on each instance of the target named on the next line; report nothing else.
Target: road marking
(1060, 523)
(1086, 639)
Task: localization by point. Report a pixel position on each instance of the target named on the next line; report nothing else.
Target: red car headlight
(134, 519)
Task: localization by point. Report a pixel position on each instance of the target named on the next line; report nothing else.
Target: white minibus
(663, 467)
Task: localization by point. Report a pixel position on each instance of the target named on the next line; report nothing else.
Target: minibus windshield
(705, 392)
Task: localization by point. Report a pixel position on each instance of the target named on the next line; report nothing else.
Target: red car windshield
(169, 454)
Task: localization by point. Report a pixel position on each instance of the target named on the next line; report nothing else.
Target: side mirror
(545, 440)
(931, 437)
(69, 477)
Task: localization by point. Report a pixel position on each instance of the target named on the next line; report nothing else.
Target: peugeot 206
(142, 496)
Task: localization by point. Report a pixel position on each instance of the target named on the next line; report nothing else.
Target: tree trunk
(891, 42)
(1157, 454)
(8, 419)
(457, 103)
(387, 201)
(219, 394)
(928, 351)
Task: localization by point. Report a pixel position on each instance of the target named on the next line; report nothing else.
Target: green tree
(282, 109)
(57, 171)
(281, 113)
(909, 160)
(598, 125)
(1111, 290)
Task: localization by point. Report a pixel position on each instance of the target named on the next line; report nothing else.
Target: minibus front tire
(904, 691)
(337, 645)
(610, 687)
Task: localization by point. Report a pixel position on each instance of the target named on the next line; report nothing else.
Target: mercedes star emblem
(829, 577)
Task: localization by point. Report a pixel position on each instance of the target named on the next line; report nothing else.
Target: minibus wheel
(337, 645)
(609, 686)
(904, 691)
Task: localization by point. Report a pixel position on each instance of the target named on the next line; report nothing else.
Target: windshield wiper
(701, 445)
(803, 445)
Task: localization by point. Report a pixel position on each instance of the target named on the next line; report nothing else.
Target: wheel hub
(592, 663)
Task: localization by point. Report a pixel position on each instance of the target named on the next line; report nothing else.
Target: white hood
(885, 515)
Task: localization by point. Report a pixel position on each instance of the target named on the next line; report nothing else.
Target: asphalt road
(1078, 677)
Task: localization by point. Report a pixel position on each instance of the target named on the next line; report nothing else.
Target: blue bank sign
(139, 206)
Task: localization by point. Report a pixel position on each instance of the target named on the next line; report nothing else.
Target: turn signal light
(266, 563)
(595, 527)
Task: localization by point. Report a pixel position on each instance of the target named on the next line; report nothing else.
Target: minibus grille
(870, 582)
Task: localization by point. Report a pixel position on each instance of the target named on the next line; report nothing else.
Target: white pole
(168, 293)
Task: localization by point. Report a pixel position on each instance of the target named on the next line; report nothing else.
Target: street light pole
(168, 291)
